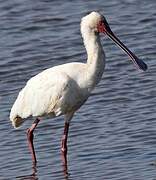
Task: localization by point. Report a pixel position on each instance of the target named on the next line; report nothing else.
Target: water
(113, 136)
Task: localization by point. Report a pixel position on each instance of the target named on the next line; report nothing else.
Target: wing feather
(52, 91)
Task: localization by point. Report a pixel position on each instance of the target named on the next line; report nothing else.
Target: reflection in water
(32, 176)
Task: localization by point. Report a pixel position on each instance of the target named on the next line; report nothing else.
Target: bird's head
(92, 21)
(96, 23)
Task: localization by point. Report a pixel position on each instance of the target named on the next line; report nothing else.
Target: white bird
(63, 89)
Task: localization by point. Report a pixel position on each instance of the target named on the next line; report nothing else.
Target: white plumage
(55, 91)
(64, 88)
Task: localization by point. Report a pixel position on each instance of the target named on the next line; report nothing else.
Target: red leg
(30, 138)
(64, 145)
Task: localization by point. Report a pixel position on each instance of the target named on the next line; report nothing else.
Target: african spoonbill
(63, 89)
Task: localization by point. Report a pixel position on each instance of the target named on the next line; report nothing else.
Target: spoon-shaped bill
(138, 62)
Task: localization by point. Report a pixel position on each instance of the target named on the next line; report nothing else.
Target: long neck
(96, 57)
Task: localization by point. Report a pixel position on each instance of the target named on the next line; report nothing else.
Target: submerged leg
(30, 137)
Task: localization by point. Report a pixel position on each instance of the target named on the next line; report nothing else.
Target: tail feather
(17, 121)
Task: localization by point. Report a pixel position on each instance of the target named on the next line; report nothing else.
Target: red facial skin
(101, 27)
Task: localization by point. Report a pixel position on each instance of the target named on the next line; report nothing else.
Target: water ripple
(113, 135)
